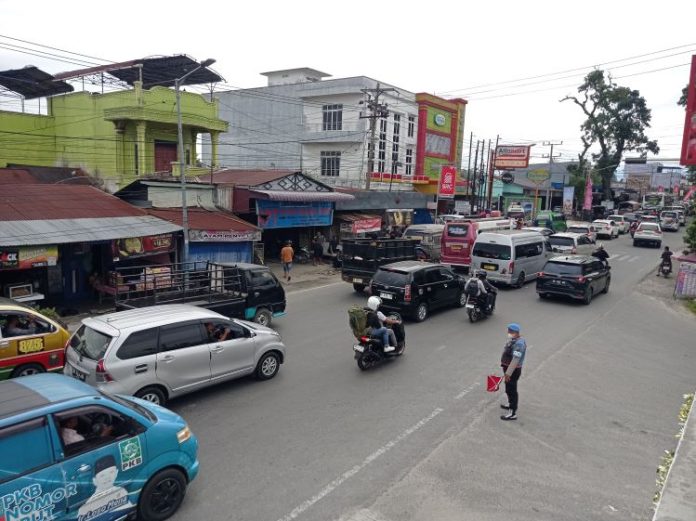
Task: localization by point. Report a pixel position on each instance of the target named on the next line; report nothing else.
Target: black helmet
(481, 274)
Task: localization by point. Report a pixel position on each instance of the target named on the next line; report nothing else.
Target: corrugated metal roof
(201, 219)
(63, 231)
(249, 177)
(285, 195)
(47, 202)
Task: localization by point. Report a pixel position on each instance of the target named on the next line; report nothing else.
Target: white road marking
(467, 391)
(365, 515)
(289, 290)
(440, 348)
(306, 505)
(633, 259)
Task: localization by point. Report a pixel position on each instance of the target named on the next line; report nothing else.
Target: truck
(362, 257)
(240, 290)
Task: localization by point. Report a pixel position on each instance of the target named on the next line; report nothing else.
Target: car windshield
(391, 277)
(577, 229)
(491, 251)
(457, 230)
(648, 227)
(669, 214)
(616, 217)
(561, 241)
(126, 402)
(562, 268)
(90, 343)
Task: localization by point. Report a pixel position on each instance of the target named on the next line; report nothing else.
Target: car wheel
(658, 244)
(606, 286)
(27, 370)
(162, 495)
(268, 366)
(152, 394)
(543, 296)
(588, 296)
(263, 317)
(461, 301)
(635, 243)
(421, 312)
(520, 280)
(359, 287)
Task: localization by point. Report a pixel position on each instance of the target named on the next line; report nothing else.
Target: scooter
(302, 256)
(370, 351)
(475, 310)
(665, 269)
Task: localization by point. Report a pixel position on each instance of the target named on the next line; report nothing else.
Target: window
(531, 250)
(491, 251)
(561, 268)
(395, 144)
(332, 117)
(411, 125)
(18, 323)
(409, 161)
(139, 343)
(561, 241)
(262, 279)
(436, 144)
(457, 230)
(330, 163)
(432, 276)
(382, 148)
(391, 278)
(597, 266)
(584, 240)
(90, 343)
(15, 461)
(181, 336)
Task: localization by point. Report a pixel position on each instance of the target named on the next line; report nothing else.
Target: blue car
(71, 452)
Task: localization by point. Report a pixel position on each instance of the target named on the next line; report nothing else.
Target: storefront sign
(507, 177)
(448, 179)
(140, 246)
(568, 196)
(285, 214)
(224, 236)
(367, 225)
(399, 217)
(686, 281)
(27, 257)
(688, 152)
(512, 156)
(538, 176)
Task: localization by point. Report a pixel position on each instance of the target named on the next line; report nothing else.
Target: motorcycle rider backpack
(472, 288)
(357, 319)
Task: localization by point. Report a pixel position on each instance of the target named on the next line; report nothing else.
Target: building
(526, 193)
(303, 122)
(115, 136)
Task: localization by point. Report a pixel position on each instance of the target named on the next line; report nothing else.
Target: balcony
(351, 132)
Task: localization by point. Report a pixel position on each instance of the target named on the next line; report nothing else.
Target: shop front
(25, 271)
(356, 225)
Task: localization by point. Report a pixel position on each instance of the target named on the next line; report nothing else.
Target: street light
(182, 159)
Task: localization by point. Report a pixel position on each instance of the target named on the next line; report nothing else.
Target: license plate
(456, 247)
(559, 282)
(358, 281)
(488, 267)
(358, 348)
(386, 296)
(469, 306)
(78, 374)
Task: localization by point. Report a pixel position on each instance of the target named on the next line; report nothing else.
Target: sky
(512, 61)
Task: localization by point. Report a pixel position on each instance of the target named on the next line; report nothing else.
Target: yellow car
(30, 343)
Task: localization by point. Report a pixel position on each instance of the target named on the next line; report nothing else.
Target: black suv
(415, 288)
(576, 276)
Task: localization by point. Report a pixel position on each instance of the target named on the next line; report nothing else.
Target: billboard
(688, 154)
(512, 156)
(448, 181)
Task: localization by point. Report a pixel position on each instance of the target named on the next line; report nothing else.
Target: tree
(691, 171)
(617, 118)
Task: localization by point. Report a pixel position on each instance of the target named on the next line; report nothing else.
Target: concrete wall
(374, 200)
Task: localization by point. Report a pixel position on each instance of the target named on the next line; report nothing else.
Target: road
(420, 439)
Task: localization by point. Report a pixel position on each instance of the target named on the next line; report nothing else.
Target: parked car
(162, 352)
(430, 237)
(583, 227)
(512, 257)
(606, 228)
(539, 229)
(30, 342)
(576, 276)
(71, 452)
(669, 221)
(648, 232)
(682, 212)
(621, 222)
(571, 243)
(416, 288)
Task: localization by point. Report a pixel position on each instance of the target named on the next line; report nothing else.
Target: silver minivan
(160, 352)
(430, 236)
(512, 257)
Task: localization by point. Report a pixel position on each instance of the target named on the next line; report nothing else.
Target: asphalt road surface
(420, 438)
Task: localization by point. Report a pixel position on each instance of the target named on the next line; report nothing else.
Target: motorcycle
(302, 256)
(665, 269)
(370, 351)
(475, 310)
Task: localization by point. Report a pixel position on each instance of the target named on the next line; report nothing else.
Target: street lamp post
(182, 159)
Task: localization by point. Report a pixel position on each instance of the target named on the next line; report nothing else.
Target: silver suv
(161, 352)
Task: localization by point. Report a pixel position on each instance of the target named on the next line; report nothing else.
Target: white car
(649, 233)
(571, 243)
(606, 228)
(681, 210)
(621, 221)
(669, 220)
(581, 227)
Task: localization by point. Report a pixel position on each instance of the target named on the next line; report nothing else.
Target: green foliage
(53, 315)
(690, 236)
(616, 120)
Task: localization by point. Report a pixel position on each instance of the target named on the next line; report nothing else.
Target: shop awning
(361, 222)
(211, 226)
(287, 195)
(64, 231)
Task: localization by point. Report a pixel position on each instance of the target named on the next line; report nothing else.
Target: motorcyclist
(490, 290)
(601, 254)
(665, 259)
(376, 321)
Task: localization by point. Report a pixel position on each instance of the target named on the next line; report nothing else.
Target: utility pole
(491, 168)
(377, 110)
(468, 168)
(551, 158)
(474, 184)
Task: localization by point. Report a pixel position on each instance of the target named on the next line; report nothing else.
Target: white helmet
(374, 302)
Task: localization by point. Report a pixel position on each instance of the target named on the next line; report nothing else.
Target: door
(27, 338)
(585, 246)
(183, 359)
(231, 349)
(449, 287)
(598, 276)
(165, 155)
(75, 263)
(264, 290)
(103, 455)
(434, 287)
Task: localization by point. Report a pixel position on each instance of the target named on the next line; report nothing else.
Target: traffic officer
(512, 362)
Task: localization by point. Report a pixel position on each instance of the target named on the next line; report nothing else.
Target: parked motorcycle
(370, 351)
(302, 256)
(475, 309)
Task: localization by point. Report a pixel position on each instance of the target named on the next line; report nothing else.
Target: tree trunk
(606, 186)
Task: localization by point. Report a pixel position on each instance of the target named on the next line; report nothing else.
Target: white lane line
(291, 291)
(440, 348)
(633, 259)
(365, 515)
(306, 505)
(467, 391)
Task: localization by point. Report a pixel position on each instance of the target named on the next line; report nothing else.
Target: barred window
(330, 163)
(409, 161)
(411, 125)
(332, 117)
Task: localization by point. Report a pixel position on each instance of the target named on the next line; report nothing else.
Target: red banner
(688, 154)
(139, 246)
(367, 225)
(448, 182)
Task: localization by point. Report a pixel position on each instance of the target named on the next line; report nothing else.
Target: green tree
(691, 171)
(616, 120)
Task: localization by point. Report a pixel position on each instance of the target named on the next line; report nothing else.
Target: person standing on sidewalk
(512, 361)
(317, 251)
(286, 256)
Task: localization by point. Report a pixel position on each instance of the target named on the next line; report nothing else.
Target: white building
(301, 121)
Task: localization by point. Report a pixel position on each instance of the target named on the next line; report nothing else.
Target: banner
(367, 225)
(224, 235)
(507, 156)
(688, 152)
(141, 246)
(284, 214)
(27, 257)
(448, 180)
(685, 286)
(568, 195)
(587, 204)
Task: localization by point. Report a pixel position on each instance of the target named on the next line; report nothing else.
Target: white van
(512, 257)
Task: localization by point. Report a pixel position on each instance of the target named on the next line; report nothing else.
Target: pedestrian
(317, 252)
(286, 256)
(512, 362)
(333, 245)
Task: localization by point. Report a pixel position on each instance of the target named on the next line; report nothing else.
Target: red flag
(493, 383)
(588, 193)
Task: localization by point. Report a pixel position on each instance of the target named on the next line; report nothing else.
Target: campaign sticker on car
(387, 296)
(358, 281)
(489, 267)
